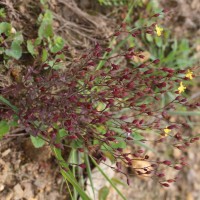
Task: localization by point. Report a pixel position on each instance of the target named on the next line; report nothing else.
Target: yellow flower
(189, 74)
(167, 130)
(181, 88)
(159, 30)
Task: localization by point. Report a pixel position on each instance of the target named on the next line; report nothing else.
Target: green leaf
(18, 38)
(158, 41)
(175, 45)
(137, 136)
(5, 28)
(43, 2)
(103, 193)
(31, 48)
(76, 144)
(170, 57)
(2, 13)
(15, 51)
(46, 27)
(45, 30)
(58, 44)
(149, 38)
(14, 121)
(37, 141)
(44, 55)
(62, 133)
(2, 50)
(4, 128)
(37, 41)
(59, 157)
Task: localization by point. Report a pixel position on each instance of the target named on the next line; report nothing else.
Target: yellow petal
(181, 88)
(159, 30)
(189, 74)
(166, 130)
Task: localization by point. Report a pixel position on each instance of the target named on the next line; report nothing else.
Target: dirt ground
(27, 173)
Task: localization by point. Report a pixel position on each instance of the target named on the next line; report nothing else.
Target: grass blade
(107, 178)
(70, 193)
(68, 175)
(5, 101)
(89, 172)
(184, 113)
(70, 178)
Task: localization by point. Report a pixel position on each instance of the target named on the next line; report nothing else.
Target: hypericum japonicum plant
(103, 109)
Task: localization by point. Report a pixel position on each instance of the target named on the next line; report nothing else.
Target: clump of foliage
(10, 40)
(95, 109)
(46, 42)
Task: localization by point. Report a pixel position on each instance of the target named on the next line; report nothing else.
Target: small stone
(2, 187)
(6, 152)
(19, 193)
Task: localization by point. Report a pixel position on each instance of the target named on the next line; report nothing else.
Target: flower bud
(165, 184)
(156, 61)
(167, 162)
(83, 165)
(177, 167)
(117, 34)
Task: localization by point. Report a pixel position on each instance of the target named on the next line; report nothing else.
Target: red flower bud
(167, 162)
(156, 15)
(117, 34)
(169, 70)
(149, 32)
(140, 151)
(142, 65)
(172, 126)
(170, 180)
(128, 182)
(119, 149)
(177, 167)
(148, 71)
(123, 25)
(58, 60)
(153, 165)
(119, 165)
(80, 149)
(108, 49)
(161, 175)
(72, 137)
(156, 61)
(111, 139)
(131, 48)
(59, 146)
(165, 184)
(83, 165)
